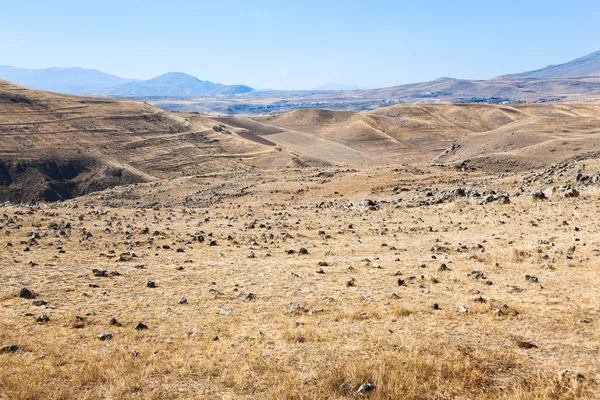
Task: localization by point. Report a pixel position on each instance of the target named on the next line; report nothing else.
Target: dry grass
(376, 331)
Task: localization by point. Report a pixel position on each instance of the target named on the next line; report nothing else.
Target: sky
(299, 44)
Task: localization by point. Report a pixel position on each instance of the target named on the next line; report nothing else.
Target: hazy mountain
(169, 84)
(79, 81)
(177, 84)
(338, 86)
(581, 67)
(231, 90)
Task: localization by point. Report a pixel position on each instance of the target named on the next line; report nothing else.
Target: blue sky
(299, 44)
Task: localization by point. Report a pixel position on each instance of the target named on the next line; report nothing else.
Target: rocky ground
(326, 283)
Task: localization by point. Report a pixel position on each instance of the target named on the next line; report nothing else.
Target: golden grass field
(354, 323)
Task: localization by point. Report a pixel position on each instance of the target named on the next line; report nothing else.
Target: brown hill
(58, 146)
(516, 136)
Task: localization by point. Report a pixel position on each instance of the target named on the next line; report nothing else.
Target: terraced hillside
(57, 146)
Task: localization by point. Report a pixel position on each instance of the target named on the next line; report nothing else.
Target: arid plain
(413, 252)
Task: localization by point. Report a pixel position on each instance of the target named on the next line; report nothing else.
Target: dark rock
(532, 279)
(526, 345)
(141, 327)
(99, 273)
(25, 293)
(538, 195)
(9, 348)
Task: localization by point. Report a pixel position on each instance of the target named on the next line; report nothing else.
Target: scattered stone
(245, 296)
(105, 336)
(571, 192)
(225, 312)
(183, 300)
(9, 348)
(462, 310)
(367, 204)
(141, 327)
(526, 345)
(99, 273)
(25, 293)
(366, 387)
(571, 373)
(477, 274)
(39, 303)
(532, 279)
(42, 318)
(302, 251)
(294, 307)
(151, 284)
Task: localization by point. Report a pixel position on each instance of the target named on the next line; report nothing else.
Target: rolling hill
(56, 146)
(59, 146)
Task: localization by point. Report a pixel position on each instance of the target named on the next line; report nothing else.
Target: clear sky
(299, 44)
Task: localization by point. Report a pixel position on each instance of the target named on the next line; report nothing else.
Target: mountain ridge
(93, 82)
(586, 66)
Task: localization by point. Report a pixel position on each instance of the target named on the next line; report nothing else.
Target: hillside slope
(58, 146)
(582, 67)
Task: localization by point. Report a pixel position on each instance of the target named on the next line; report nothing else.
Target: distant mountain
(231, 90)
(338, 86)
(81, 81)
(588, 66)
(78, 81)
(170, 84)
